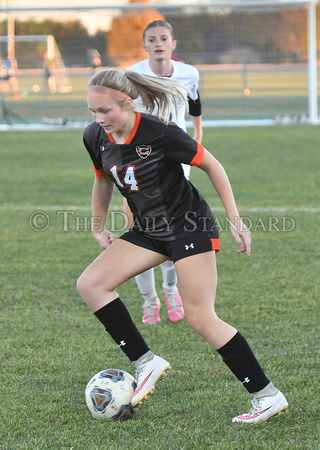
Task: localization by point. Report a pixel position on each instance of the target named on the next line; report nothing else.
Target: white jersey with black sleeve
(186, 74)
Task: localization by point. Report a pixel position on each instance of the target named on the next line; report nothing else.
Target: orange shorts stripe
(215, 245)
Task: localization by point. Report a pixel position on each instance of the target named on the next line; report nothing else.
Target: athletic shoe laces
(140, 370)
(151, 309)
(173, 302)
(256, 407)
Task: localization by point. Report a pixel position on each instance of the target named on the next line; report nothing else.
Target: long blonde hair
(158, 94)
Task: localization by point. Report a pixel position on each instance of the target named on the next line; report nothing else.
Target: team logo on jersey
(143, 150)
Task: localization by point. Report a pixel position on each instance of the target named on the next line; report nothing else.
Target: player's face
(109, 114)
(159, 44)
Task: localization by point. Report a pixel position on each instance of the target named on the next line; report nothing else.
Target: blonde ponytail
(158, 94)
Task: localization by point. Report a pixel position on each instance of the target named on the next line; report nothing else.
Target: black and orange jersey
(147, 171)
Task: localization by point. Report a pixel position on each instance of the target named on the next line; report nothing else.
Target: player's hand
(104, 238)
(242, 235)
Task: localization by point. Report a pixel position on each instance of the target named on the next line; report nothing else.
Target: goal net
(258, 60)
(40, 54)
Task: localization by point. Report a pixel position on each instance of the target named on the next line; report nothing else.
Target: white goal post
(50, 57)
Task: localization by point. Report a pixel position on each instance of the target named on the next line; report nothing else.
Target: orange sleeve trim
(197, 160)
(99, 172)
(215, 245)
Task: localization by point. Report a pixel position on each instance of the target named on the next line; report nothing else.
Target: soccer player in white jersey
(159, 43)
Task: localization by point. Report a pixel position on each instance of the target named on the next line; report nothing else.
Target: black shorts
(180, 247)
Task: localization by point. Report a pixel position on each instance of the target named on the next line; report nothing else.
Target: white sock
(269, 391)
(169, 277)
(147, 356)
(146, 285)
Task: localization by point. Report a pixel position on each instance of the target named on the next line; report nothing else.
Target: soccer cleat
(151, 312)
(148, 375)
(174, 306)
(263, 409)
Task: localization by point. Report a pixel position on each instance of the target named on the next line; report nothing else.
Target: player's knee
(195, 320)
(201, 322)
(88, 285)
(83, 285)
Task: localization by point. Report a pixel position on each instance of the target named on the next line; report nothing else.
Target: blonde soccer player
(141, 155)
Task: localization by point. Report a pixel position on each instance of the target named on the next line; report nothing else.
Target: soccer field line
(302, 209)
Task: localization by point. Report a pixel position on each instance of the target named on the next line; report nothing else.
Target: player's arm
(197, 128)
(220, 181)
(101, 198)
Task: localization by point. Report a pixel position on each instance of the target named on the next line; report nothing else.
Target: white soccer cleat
(263, 409)
(148, 375)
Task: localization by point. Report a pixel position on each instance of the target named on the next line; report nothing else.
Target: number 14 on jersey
(129, 178)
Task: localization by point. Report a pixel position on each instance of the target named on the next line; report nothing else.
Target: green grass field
(51, 344)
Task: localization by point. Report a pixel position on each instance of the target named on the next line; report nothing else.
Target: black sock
(118, 323)
(243, 364)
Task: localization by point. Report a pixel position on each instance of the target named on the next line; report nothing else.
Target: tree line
(202, 38)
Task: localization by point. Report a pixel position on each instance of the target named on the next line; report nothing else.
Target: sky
(92, 20)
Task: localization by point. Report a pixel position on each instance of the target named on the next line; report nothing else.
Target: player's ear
(128, 104)
(174, 44)
(144, 47)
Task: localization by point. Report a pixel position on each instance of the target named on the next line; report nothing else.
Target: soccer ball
(108, 395)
